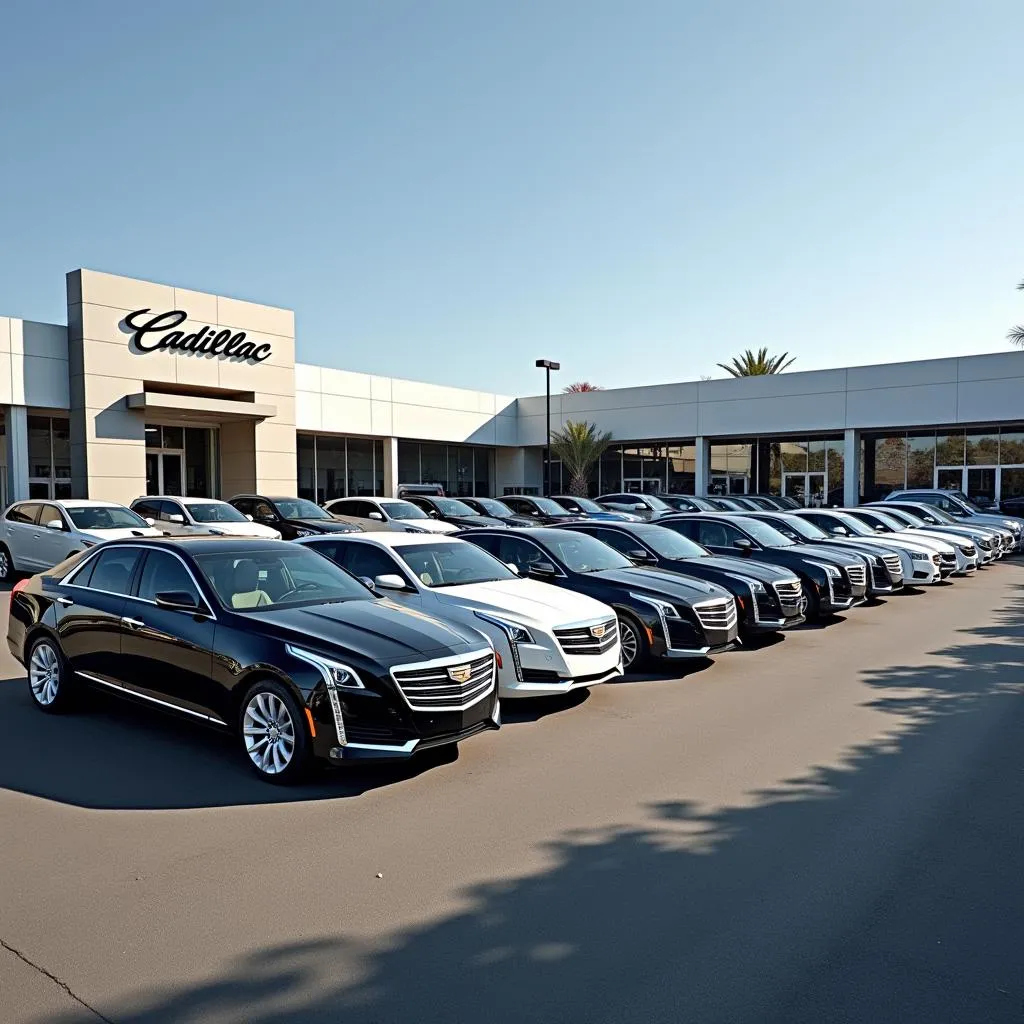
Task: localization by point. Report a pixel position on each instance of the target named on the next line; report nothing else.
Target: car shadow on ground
(881, 886)
(114, 754)
(533, 709)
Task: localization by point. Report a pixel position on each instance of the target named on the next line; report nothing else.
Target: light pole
(547, 365)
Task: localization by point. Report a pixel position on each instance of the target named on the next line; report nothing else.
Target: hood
(472, 522)
(527, 601)
(663, 583)
(1002, 522)
(819, 553)
(932, 543)
(741, 566)
(240, 530)
(427, 525)
(135, 531)
(325, 525)
(376, 630)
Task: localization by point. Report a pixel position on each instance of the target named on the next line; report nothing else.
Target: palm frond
(1016, 335)
(579, 446)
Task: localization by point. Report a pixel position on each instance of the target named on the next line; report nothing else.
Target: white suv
(36, 535)
(453, 579)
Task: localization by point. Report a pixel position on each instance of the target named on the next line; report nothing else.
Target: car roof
(548, 533)
(389, 540)
(79, 503)
(204, 542)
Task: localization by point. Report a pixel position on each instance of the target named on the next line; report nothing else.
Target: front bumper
(540, 683)
(544, 668)
(359, 751)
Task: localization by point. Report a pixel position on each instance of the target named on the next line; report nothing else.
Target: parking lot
(826, 830)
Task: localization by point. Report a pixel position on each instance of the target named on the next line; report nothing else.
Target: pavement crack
(53, 977)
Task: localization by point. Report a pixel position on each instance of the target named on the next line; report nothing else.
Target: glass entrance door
(1011, 482)
(949, 478)
(165, 472)
(806, 488)
(981, 485)
(642, 484)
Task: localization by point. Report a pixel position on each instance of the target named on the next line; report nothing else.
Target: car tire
(7, 570)
(633, 638)
(813, 613)
(49, 676)
(272, 732)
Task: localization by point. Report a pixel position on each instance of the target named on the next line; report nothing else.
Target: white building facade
(151, 389)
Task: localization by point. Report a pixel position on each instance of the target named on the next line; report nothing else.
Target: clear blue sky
(449, 189)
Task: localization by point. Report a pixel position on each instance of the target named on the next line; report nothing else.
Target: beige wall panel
(113, 425)
(103, 323)
(270, 380)
(344, 382)
(198, 305)
(251, 316)
(346, 415)
(277, 466)
(272, 436)
(102, 392)
(124, 292)
(118, 459)
(107, 359)
(308, 410)
(122, 489)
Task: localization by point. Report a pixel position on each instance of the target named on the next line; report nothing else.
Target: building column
(16, 445)
(702, 467)
(851, 468)
(390, 467)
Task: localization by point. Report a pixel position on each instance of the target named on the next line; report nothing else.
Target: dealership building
(153, 389)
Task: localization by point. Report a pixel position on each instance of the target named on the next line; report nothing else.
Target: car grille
(894, 565)
(985, 545)
(949, 559)
(720, 614)
(789, 592)
(581, 639)
(968, 550)
(430, 686)
(858, 575)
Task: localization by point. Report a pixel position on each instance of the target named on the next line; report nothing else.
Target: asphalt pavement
(828, 829)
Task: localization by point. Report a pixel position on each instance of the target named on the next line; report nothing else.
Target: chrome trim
(331, 687)
(153, 700)
(398, 748)
(132, 623)
(444, 663)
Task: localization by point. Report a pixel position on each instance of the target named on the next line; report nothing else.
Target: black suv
(831, 583)
(264, 639)
(769, 598)
(662, 615)
(291, 517)
(454, 511)
(540, 511)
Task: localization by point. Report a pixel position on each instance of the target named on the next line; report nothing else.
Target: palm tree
(757, 364)
(581, 386)
(1016, 335)
(579, 446)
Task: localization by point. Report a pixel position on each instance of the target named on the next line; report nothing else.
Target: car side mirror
(879, 529)
(176, 519)
(512, 567)
(391, 581)
(368, 583)
(744, 544)
(638, 507)
(249, 517)
(55, 524)
(640, 556)
(178, 601)
(376, 515)
(150, 522)
(542, 570)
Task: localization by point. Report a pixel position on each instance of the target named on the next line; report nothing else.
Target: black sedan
(663, 616)
(540, 511)
(831, 583)
(265, 639)
(291, 517)
(455, 511)
(886, 574)
(497, 510)
(769, 598)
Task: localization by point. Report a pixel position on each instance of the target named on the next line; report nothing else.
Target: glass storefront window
(306, 455)
(611, 470)
(816, 456)
(835, 469)
(682, 469)
(1011, 448)
(982, 447)
(921, 460)
(949, 449)
(49, 457)
(883, 466)
(794, 457)
(408, 462)
(330, 468)
(360, 467)
(199, 476)
(434, 465)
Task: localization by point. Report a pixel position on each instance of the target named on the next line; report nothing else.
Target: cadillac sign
(151, 332)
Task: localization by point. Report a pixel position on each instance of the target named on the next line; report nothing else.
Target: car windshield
(550, 507)
(105, 517)
(215, 512)
(904, 517)
(936, 515)
(299, 508)
(654, 502)
(452, 565)
(583, 553)
(255, 580)
(799, 529)
(765, 534)
(495, 508)
(586, 504)
(402, 510)
(668, 543)
(889, 522)
(852, 523)
(451, 507)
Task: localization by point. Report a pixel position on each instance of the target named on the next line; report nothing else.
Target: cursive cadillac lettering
(224, 343)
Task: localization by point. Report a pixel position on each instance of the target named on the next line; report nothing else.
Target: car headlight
(665, 607)
(920, 556)
(335, 674)
(300, 532)
(831, 570)
(516, 633)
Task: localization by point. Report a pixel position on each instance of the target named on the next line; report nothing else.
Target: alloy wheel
(630, 643)
(5, 564)
(44, 673)
(269, 733)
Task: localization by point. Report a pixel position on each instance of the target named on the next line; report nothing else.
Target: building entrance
(181, 461)
(807, 488)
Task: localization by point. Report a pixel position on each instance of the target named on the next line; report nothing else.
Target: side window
(48, 513)
(420, 503)
(622, 542)
(518, 505)
(718, 535)
(165, 574)
(359, 509)
(168, 509)
(146, 509)
(244, 505)
(687, 527)
(113, 570)
(490, 544)
(521, 553)
(24, 514)
(367, 560)
(262, 510)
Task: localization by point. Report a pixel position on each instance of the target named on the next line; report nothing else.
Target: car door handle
(132, 623)
(66, 601)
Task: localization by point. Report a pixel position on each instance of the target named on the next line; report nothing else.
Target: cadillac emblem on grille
(597, 632)
(460, 673)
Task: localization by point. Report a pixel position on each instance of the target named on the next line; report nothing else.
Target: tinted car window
(146, 509)
(450, 565)
(112, 570)
(718, 535)
(163, 573)
(518, 505)
(687, 527)
(214, 512)
(620, 541)
(367, 560)
(518, 552)
(106, 517)
(23, 514)
(587, 554)
(262, 510)
(244, 505)
(48, 513)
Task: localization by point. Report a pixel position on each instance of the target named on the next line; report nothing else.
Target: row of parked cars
(377, 628)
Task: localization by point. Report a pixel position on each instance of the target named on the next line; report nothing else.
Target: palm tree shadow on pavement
(882, 888)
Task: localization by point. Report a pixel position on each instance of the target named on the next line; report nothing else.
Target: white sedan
(178, 516)
(387, 514)
(36, 535)
(535, 628)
